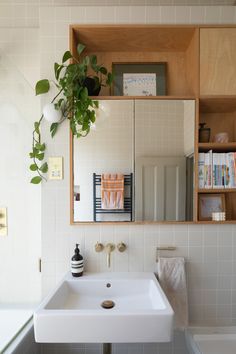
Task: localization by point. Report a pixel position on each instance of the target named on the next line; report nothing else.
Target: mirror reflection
(137, 162)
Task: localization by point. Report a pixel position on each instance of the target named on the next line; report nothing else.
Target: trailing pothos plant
(71, 102)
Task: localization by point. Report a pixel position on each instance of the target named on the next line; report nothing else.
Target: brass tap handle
(121, 247)
(99, 247)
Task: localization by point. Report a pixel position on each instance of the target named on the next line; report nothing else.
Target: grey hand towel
(172, 277)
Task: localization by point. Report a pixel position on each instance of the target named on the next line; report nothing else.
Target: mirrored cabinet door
(107, 149)
(164, 148)
(150, 143)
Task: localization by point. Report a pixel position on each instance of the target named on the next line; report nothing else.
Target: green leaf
(40, 147)
(33, 167)
(42, 86)
(92, 116)
(93, 60)
(80, 48)
(59, 103)
(56, 67)
(84, 93)
(31, 155)
(97, 82)
(86, 60)
(44, 167)
(53, 129)
(36, 180)
(96, 104)
(40, 157)
(110, 78)
(67, 55)
(103, 70)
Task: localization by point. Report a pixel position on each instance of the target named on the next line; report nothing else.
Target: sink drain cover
(108, 304)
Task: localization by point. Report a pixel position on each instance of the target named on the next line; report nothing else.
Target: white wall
(210, 251)
(21, 248)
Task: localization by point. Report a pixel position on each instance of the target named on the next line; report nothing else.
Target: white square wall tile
(167, 14)
(153, 14)
(138, 14)
(93, 14)
(225, 253)
(225, 235)
(108, 14)
(181, 238)
(227, 14)
(196, 254)
(62, 14)
(77, 15)
(213, 14)
(210, 254)
(210, 239)
(47, 14)
(197, 14)
(195, 239)
(122, 14)
(182, 14)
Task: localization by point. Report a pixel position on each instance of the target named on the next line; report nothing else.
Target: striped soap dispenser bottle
(77, 263)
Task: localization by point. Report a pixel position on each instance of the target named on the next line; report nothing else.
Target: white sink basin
(73, 312)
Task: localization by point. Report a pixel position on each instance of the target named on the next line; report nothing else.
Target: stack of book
(217, 170)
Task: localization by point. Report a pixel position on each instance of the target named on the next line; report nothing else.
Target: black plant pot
(90, 83)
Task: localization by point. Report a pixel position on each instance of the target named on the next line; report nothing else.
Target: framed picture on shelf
(139, 84)
(139, 79)
(210, 203)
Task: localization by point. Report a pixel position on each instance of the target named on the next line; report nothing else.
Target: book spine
(206, 171)
(227, 177)
(201, 170)
(214, 170)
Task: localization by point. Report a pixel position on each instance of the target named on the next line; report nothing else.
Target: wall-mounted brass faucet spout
(110, 247)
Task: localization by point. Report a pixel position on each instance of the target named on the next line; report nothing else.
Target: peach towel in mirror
(112, 191)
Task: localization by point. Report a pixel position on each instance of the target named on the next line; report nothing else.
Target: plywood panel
(192, 64)
(129, 38)
(220, 122)
(230, 201)
(218, 104)
(176, 67)
(217, 61)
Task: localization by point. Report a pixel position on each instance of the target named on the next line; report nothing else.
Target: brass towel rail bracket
(164, 248)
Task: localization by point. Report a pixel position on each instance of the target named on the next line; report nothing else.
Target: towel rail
(164, 248)
(128, 199)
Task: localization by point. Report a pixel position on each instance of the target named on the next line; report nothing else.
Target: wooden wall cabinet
(201, 65)
(217, 61)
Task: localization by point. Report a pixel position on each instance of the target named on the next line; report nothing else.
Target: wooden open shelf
(120, 98)
(175, 45)
(133, 38)
(217, 147)
(215, 190)
(217, 104)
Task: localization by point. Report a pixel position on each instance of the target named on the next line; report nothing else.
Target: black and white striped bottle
(77, 263)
